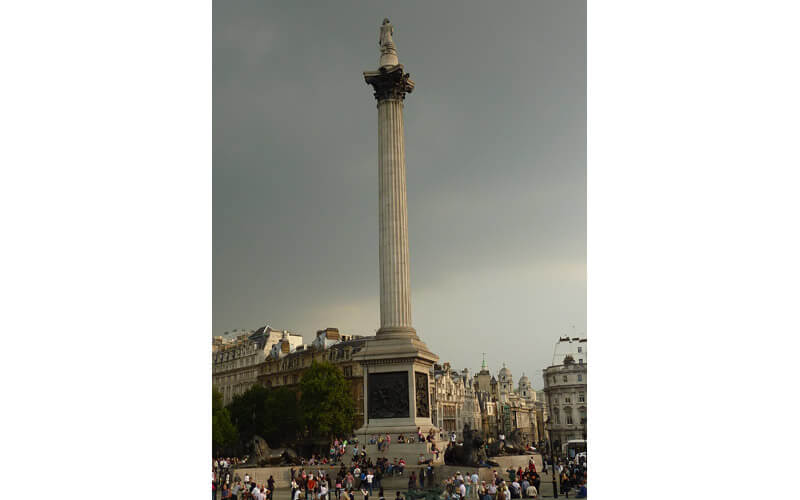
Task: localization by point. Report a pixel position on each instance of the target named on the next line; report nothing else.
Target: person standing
(369, 477)
(311, 487)
(483, 492)
(270, 486)
(474, 480)
(492, 490)
(237, 487)
(323, 490)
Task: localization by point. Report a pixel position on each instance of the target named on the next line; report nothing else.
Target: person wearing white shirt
(475, 480)
(462, 490)
(370, 476)
(517, 489)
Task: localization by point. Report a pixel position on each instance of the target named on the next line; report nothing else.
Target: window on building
(580, 361)
(581, 398)
(285, 379)
(348, 371)
(565, 379)
(569, 418)
(568, 399)
(580, 378)
(580, 349)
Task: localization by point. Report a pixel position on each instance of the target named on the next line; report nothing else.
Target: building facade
(493, 405)
(236, 361)
(455, 402)
(285, 364)
(565, 384)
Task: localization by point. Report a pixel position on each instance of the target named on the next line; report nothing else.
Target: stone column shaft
(395, 284)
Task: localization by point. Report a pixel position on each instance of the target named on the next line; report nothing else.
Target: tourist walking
(369, 477)
(295, 487)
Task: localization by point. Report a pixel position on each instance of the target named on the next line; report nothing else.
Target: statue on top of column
(388, 49)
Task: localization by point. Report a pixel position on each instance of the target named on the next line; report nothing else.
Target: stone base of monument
(397, 385)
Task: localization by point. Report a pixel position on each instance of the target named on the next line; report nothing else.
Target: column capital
(390, 82)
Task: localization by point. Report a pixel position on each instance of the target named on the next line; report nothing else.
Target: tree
(283, 422)
(247, 411)
(269, 413)
(326, 405)
(223, 433)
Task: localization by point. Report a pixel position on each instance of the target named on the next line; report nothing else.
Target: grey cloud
(495, 137)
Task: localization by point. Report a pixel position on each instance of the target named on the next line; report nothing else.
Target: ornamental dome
(505, 374)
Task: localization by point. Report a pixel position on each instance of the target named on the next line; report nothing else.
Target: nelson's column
(396, 363)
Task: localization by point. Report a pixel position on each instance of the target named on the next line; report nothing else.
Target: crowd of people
(228, 485)
(572, 475)
(383, 441)
(364, 477)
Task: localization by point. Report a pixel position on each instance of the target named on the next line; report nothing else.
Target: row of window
(565, 378)
(249, 375)
(568, 399)
(568, 416)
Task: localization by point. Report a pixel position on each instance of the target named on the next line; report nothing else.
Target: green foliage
(223, 433)
(269, 413)
(325, 402)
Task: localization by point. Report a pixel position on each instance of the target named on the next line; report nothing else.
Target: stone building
(490, 404)
(454, 399)
(515, 406)
(286, 363)
(235, 361)
(565, 386)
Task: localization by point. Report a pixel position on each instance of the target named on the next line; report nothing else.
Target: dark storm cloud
(495, 150)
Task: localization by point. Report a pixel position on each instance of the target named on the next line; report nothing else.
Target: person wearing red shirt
(311, 487)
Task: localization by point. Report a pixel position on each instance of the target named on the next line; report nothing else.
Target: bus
(574, 446)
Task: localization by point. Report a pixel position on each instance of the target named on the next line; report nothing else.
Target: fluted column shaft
(395, 281)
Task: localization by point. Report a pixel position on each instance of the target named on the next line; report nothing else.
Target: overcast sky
(496, 172)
